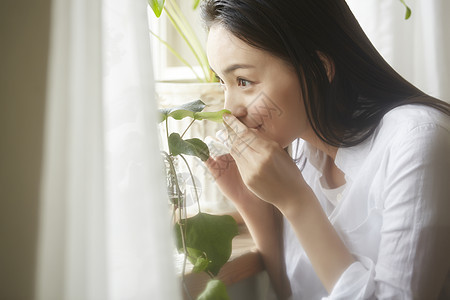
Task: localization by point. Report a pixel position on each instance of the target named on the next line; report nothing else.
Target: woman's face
(261, 90)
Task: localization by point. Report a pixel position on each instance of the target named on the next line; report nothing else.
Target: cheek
(290, 121)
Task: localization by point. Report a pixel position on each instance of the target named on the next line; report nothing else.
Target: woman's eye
(243, 82)
(220, 81)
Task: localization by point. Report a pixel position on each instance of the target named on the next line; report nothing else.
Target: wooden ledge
(244, 262)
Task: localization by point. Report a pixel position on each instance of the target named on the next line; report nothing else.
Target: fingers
(219, 165)
(243, 138)
(240, 136)
(216, 146)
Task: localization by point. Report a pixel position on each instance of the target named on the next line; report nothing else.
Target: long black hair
(347, 110)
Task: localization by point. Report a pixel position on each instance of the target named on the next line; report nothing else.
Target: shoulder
(412, 116)
(407, 123)
(407, 133)
(414, 137)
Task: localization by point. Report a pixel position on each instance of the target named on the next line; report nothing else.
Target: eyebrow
(234, 67)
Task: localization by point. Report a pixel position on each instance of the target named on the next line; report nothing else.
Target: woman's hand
(263, 169)
(264, 166)
(261, 218)
(227, 177)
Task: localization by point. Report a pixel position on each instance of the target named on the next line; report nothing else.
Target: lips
(259, 127)
(254, 127)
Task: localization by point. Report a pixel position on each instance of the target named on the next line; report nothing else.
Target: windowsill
(244, 262)
(183, 74)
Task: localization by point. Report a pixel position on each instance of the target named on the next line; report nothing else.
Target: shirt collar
(348, 160)
(315, 157)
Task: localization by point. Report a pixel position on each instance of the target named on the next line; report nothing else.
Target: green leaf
(186, 110)
(194, 147)
(215, 290)
(408, 10)
(194, 106)
(157, 6)
(198, 259)
(195, 4)
(408, 13)
(210, 234)
(212, 116)
(163, 113)
(181, 114)
(200, 265)
(193, 110)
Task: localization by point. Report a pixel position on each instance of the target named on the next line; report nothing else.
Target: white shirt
(393, 214)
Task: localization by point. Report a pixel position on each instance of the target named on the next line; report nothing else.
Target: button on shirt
(393, 213)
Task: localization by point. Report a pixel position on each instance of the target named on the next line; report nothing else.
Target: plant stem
(193, 182)
(186, 290)
(181, 208)
(187, 34)
(190, 124)
(190, 33)
(173, 214)
(182, 211)
(177, 55)
(180, 32)
(183, 272)
(167, 134)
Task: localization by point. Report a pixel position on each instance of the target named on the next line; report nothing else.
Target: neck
(314, 140)
(333, 175)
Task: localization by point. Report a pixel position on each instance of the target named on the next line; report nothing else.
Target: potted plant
(204, 239)
(205, 87)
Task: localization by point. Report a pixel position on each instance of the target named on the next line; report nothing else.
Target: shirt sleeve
(414, 253)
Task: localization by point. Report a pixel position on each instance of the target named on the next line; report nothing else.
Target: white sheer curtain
(104, 224)
(418, 48)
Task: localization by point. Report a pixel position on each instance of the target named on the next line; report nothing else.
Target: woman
(362, 210)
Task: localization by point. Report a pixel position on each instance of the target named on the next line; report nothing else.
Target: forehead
(223, 48)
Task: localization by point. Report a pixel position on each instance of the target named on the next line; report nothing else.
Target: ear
(328, 64)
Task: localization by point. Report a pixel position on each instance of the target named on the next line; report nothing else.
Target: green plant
(204, 239)
(184, 29)
(408, 10)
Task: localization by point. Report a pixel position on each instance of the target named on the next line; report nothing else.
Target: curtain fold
(104, 224)
(140, 241)
(71, 239)
(416, 48)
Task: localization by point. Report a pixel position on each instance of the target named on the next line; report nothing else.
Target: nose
(233, 104)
